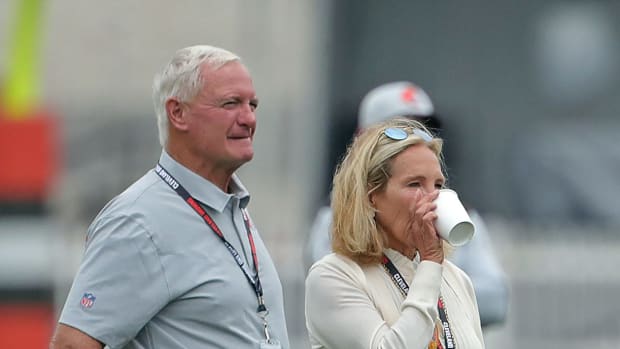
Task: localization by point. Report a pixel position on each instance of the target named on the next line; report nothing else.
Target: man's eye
(414, 184)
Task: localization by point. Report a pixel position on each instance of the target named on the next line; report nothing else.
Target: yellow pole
(22, 85)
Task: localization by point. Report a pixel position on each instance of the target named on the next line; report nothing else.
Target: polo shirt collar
(202, 189)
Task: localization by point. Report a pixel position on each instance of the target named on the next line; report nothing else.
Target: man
(476, 258)
(175, 261)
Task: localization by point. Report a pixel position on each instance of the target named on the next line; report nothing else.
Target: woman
(387, 284)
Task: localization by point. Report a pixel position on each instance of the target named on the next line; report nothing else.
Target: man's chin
(245, 157)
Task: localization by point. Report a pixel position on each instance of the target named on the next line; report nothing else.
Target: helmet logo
(408, 94)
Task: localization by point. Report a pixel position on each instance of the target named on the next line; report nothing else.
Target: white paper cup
(453, 223)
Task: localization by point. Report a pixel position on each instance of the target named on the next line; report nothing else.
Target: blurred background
(529, 92)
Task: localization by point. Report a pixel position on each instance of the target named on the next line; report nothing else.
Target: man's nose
(247, 115)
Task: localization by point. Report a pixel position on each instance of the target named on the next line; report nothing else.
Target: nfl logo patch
(88, 299)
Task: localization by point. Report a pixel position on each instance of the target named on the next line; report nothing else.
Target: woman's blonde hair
(366, 168)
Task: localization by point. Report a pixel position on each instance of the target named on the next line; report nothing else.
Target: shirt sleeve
(120, 284)
(340, 314)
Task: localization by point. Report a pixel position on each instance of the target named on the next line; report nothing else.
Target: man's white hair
(181, 78)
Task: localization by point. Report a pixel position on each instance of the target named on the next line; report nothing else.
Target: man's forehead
(228, 80)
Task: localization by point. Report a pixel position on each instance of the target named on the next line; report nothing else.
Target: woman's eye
(439, 185)
(414, 184)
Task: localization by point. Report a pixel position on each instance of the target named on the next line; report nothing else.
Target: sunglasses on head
(399, 133)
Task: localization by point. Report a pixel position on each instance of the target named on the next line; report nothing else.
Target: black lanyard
(404, 288)
(254, 281)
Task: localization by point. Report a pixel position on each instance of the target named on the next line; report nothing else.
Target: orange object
(26, 325)
(29, 157)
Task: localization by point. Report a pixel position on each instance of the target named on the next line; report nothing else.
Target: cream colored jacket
(351, 307)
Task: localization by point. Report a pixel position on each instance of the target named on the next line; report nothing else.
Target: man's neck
(219, 176)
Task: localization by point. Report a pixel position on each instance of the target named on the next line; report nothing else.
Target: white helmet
(394, 99)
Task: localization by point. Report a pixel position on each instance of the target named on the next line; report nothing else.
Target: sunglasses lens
(425, 136)
(396, 134)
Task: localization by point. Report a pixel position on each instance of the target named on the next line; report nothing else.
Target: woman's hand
(422, 225)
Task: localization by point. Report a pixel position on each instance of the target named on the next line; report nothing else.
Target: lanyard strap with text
(404, 288)
(183, 193)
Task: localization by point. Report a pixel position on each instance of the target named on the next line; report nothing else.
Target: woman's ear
(174, 110)
(371, 198)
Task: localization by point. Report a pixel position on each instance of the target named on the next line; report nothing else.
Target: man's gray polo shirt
(154, 275)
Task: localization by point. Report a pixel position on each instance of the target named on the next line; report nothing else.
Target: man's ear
(174, 110)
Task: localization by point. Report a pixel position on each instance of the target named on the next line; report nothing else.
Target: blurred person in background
(175, 261)
(388, 284)
(476, 258)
